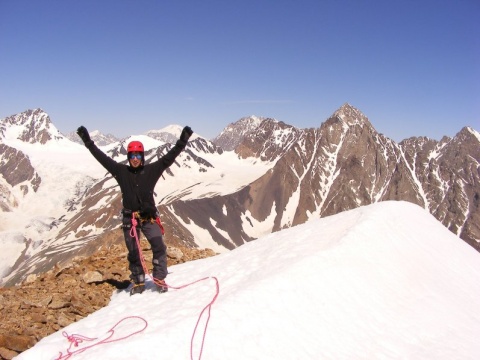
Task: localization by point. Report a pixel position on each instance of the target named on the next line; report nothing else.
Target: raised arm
(169, 157)
(107, 162)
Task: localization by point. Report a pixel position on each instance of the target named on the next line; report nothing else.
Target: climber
(137, 181)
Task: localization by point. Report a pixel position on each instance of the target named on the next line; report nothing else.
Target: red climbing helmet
(135, 146)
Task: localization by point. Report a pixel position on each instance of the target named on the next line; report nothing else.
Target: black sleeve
(107, 162)
(170, 157)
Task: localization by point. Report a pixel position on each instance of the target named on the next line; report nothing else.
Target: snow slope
(385, 281)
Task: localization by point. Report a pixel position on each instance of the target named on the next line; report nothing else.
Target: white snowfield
(385, 281)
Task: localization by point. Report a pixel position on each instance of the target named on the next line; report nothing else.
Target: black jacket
(137, 184)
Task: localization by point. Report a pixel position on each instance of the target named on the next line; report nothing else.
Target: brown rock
(38, 302)
(7, 354)
(69, 282)
(38, 318)
(174, 252)
(92, 277)
(31, 278)
(16, 342)
(59, 302)
(64, 320)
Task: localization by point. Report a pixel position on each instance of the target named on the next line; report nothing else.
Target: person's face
(135, 159)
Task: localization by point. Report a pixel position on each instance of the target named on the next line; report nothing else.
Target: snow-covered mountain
(344, 164)
(169, 134)
(276, 176)
(31, 126)
(99, 138)
(234, 133)
(384, 281)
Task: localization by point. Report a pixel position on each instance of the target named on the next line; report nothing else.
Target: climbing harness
(135, 214)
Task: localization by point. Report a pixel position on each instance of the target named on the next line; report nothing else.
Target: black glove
(186, 133)
(84, 135)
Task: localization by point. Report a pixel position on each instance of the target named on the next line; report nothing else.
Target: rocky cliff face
(344, 164)
(448, 174)
(17, 171)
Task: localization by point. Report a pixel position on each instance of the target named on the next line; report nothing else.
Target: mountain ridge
(276, 176)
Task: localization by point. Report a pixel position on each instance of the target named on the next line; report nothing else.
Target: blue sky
(126, 67)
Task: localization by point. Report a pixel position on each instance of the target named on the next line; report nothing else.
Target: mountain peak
(351, 115)
(27, 116)
(234, 133)
(468, 131)
(31, 126)
(170, 133)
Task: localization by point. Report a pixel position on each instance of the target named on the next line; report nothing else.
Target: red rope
(133, 233)
(207, 308)
(76, 339)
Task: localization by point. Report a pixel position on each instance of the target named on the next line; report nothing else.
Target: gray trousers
(153, 234)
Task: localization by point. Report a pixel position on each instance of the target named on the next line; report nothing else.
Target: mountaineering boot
(162, 286)
(137, 289)
(138, 280)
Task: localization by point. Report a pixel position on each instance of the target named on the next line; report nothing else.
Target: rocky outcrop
(47, 302)
(17, 171)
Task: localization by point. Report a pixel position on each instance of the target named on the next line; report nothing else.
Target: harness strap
(159, 222)
(141, 220)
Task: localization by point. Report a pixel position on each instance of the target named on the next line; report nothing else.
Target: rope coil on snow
(76, 339)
